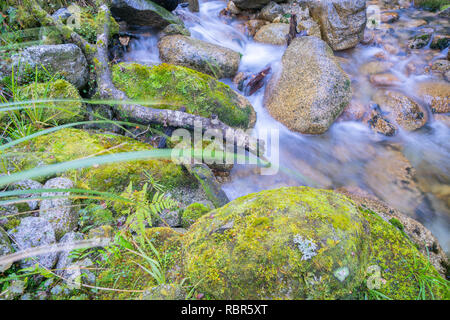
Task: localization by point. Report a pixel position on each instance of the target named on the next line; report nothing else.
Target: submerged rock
(389, 17)
(436, 94)
(66, 60)
(384, 80)
(374, 67)
(378, 122)
(342, 22)
(420, 40)
(145, 13)
(200, 55)
(300, 243)
(392, 178)
(273, 33)
(33, 232)
(176, 86)
(312, 89)
(401, 109)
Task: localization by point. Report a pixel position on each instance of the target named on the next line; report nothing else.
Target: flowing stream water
(349, 154)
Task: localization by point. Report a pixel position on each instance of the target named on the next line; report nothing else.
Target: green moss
(176, 86)
(71, 144)
(250, 248)
(11, 223)
(122, 273)
(192, 213)
(396, 223)
(94, 215)
(303, 243)
(90, 24)
(54, 112)
(440, 44)
(432, 5)
(402, 266)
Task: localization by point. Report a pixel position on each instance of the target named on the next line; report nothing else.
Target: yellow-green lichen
(71, 144)
(304, 243)
(53, 112)
(192, 213)
(279, 244)
(403, 268)
(176, 87)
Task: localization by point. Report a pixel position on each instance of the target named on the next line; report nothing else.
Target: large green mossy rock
(71, 144)
(300, 243)
(54, 112)
(289, 243)
(176, 86)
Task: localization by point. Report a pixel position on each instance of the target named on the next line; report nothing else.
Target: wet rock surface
(311, 91)
(401, 109)
(205, 57)
(144, 13)
(274, 33)
(342, 22)
(436, 94)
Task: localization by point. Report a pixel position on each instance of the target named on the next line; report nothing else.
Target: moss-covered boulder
(405, 273)
(302, 243)
(289, 243)
(72, 144)
(89, 25)
(23, 15)
(176, 86)
(192, 213)
(54, 112)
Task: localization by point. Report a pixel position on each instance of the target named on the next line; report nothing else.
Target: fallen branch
(258, 81)
(146, 115)
(97, 55)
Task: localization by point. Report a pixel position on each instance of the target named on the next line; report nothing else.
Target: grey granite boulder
(199, 55)
(59, 212)
(341, 22)
(33, 232)
(311, 90)
(66, 60)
